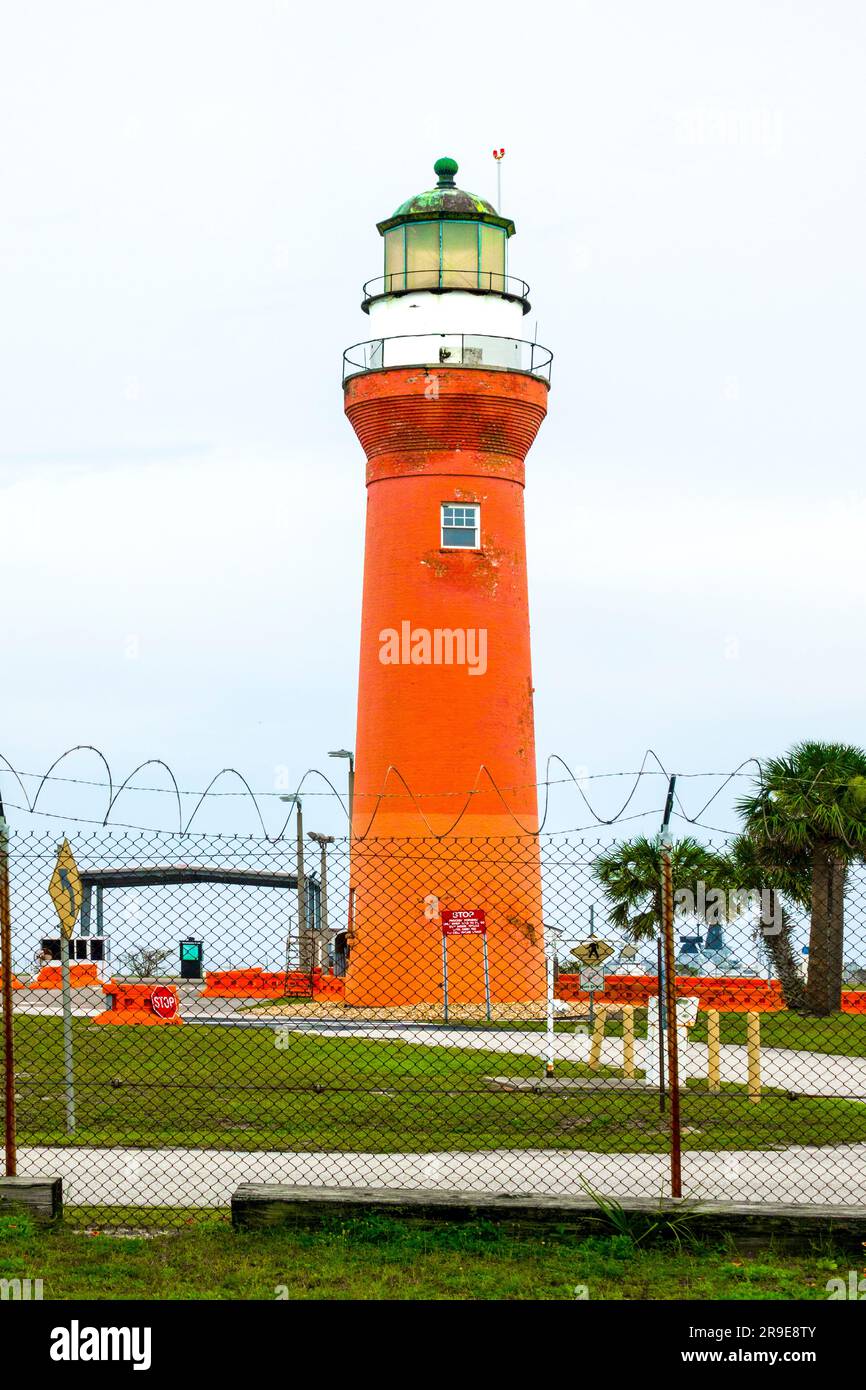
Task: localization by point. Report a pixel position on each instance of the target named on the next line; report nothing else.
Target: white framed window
(461, 526)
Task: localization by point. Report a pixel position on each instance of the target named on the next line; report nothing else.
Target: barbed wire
(392, 773)
(485, 785)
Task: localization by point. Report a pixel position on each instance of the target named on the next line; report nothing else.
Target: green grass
(837, 1034)
(233, 1088)
(377, 1258)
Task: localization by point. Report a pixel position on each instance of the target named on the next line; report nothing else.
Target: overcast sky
(188, 193)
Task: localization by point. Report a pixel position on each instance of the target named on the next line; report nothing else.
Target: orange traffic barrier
(724, 993)
(329, 987)
(256, 983)
(145, 1004)
(731, 994)
(80, 975)
(233, 984)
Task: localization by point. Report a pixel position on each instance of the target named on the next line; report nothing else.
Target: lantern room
(446, 239)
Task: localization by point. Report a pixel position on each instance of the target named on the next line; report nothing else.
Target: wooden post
(753, 1049)
(628, 1040)
(714, 1074)
(597, 1036)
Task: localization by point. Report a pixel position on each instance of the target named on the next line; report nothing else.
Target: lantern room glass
(492, 268)
(452, 254)
(395, 260)
(459, 255)
(423, 255)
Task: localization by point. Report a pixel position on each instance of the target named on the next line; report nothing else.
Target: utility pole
(670, 992)
(322, 841)
(6, 977)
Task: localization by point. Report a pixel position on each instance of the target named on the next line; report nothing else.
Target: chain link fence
(443, 1014)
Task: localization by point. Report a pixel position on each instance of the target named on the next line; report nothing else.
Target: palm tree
(751, 863)
(631, 874)
(811, 804)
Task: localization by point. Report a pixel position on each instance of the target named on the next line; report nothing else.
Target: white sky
(188, 195)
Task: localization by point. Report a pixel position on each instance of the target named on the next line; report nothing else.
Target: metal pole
(351, 794)
(591, 990)
(303, 943)
(6, 976)
(660, 978)
(671, 996)
(68, 1074)
(445, 973)
(486, 975)
(548, 1064)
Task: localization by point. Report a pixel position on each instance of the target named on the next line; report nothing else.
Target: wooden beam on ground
(41, 1197)
(749, 1225)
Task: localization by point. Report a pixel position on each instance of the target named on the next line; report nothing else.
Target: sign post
(591, 956)
(66, 894)
(464, 921)
(592, 980)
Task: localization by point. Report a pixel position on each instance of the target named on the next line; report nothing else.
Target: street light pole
(322, 841)
(345, 753)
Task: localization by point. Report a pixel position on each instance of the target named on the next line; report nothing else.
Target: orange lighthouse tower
(446, 400)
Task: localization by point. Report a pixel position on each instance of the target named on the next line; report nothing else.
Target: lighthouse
(446, 396)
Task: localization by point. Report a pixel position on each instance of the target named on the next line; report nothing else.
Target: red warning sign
(464, 921)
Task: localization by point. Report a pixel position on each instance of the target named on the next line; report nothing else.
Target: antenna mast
(499, 155)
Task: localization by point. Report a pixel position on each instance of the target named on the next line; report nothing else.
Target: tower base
(398, 957)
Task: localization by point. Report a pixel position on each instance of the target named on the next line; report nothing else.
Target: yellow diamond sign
(593, 952)
(65, 889)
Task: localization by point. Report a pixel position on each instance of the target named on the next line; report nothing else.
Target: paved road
(207, 1178)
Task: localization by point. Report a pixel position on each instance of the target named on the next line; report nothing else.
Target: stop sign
(163, 1002)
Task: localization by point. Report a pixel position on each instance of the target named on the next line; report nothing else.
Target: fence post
(6, 977)
(714, 1075)
(667, 914)
(68, 1062)
(597, 1038)
(628, 1040)
(753, 1049)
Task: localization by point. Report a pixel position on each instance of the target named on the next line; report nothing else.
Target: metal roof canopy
(164, 874)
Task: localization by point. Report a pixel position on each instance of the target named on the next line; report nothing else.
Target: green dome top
(448, 201)
(445, 169)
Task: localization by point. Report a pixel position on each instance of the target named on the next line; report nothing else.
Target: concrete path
(207, 1178)
(808, 1073)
